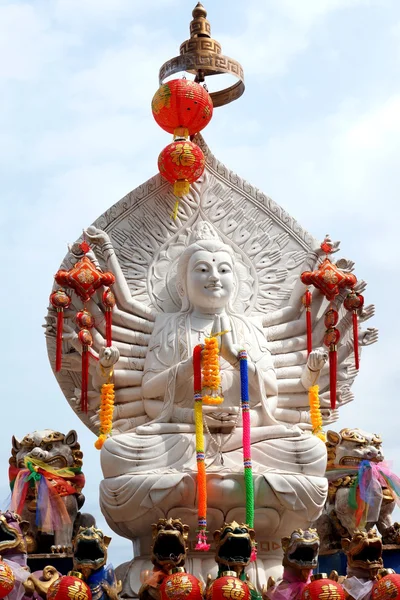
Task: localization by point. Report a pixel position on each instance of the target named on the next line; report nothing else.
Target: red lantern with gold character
(228, 587)
(69, 587)
(7, 579)
(181, 586)
(387, 588)
(181, 163)
(182, 104)
(322, 588)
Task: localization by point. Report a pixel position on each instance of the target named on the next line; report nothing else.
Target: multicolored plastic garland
(315, 412)
(211, 378)
(247, 464)
(202, 543)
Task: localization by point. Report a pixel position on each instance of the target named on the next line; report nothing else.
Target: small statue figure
(13, 549)
(235, 547)
(167, 552)
(38, 583)
(300, 557)
(364, 561)
(354, 454)
(42, 463)
(90, 557)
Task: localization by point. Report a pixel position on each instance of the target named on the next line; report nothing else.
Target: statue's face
(210, 279)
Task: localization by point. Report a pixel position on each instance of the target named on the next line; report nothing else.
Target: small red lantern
(60, 301)
(181, 586)
(387, 588)
(7, 579)
(69, 587)
(181, 163)
(182, 104)
(322, 588)
(228, 587)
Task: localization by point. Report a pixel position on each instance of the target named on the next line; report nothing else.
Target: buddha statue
(176, 284)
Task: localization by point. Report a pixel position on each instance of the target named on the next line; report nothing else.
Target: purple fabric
(290, 587)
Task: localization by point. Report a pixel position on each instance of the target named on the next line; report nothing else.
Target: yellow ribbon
(66, 472)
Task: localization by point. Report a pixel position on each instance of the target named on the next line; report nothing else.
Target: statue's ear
(217, 535)
(71, 438)
(185, 529)
(333, 438)
(346, 544)
(16, 444)
(107, 540)
(285, 543)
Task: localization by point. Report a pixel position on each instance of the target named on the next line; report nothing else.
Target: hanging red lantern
(60, 301)
(354, 302)
(69, 587)
(7, 579)
(86, 339)
(181, 163)
(109, 303)
(387, 588)
(179, 585)
(180, 105)
(84, 278)
(322, 588)
(228, 587)
(307, 300)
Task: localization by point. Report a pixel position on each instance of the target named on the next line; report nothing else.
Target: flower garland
(315, 412)
(211, 378)
(106, 413)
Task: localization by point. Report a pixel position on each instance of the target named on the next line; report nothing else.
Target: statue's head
(205, 274)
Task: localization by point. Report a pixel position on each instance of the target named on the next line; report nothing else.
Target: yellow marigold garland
(211, 378)
(315, 412)
(106, 413)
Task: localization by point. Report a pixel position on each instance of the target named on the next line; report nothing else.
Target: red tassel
(108, 327)
(333, 375)
(60, 325)
(309, 330)
(85, 377)
(355, 340)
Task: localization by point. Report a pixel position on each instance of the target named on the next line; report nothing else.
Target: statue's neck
(207, 315)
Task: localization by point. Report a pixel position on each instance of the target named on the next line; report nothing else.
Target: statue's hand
(317, 359)
(229, 351)
(334, 245)
(97, 236)
(108, 356)
(368, 337)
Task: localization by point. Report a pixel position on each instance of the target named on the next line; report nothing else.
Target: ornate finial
(202, 56)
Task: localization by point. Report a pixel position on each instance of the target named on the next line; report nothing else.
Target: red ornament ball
(108, 299)
(69, 587)
(228, 587)
(181, 163)
(60, 299)
(181, 586)
(354, 301)
(331, 337)
(85, 337)
(331, 318)
(7, 579)
(387, 588)
(181, 103)
(323, 589)
(84, 319)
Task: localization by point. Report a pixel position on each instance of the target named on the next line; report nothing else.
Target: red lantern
(60, 301)
(182, 104)
(181, 163)
(69, 587)
(322, 588)
(354, 302)
(109, 303)
(86, 339)
(181, 586)
(7, 579)
(387, 588)
(228, 587)
(331, 338)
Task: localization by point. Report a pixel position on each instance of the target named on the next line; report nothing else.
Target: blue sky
(318, 129)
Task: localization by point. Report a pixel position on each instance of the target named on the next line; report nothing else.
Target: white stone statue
(230, 262)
